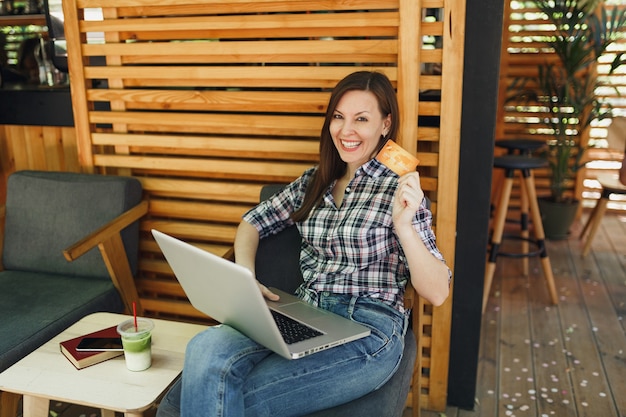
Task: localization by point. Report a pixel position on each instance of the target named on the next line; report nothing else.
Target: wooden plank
(516, 354)
(429, 108)
(78, 95)
(379, 29)
(280, 125)
(70, 150)
(150, 246)
(298, 149)
(408, 98)
(408, 68)
(293, 25)
(35, 148)
(218, 212)
(169, 288)
(430, 159)
(229, 76)
(614, 227)
(190, 231)
(247, 52)
(487, 391)
(215, 100)
(164, 7)
(209, 33)
(428, 134)
(217, 168)
(550, 363)
(52, 148)
(202, 189)
(447, 186)
(173, 308)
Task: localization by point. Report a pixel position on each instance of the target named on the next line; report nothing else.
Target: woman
(363, 230)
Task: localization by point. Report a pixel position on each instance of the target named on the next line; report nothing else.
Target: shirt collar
(373, 168)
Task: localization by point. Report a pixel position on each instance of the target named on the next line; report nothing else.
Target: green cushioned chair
(70, 248)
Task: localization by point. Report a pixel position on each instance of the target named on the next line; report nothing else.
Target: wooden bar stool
(522, 146)
(525, 164)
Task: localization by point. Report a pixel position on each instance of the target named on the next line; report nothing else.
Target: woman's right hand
(267, 293)
(246, 244)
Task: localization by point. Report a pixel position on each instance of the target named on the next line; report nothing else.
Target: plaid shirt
(352, 249)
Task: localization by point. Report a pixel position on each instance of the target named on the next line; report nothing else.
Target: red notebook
(83, 359)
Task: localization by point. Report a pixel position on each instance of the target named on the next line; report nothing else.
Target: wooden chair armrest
(104, 233)
(109, 241)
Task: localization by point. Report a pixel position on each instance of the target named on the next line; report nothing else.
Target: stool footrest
(538, 252)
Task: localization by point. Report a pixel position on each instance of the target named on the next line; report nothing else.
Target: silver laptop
(229, 293)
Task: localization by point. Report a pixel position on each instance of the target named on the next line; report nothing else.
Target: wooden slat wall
(48, 148)
(206, 101)
(520, 55)
(38, 147)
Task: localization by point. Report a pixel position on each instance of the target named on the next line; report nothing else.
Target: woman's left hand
(407, 199)
(429, 276)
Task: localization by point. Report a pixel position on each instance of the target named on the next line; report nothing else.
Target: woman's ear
(386, 125)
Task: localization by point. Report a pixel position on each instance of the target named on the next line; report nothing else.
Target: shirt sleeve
(422, 223)
(274, 214)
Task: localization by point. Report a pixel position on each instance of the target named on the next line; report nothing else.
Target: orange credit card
(397, 159)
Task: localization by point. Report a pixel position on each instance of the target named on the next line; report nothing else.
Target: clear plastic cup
(137, 343)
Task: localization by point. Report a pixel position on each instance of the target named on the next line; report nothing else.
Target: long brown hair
(331, 166)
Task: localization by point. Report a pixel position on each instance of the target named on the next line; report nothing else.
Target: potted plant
(565, 92)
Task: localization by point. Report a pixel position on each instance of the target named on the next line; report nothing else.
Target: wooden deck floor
(566, 360)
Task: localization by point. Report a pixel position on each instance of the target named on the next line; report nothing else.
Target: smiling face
(357, 126)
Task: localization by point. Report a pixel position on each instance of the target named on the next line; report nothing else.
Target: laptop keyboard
(293, 331)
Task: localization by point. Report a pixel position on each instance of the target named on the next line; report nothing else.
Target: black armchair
(388, 401)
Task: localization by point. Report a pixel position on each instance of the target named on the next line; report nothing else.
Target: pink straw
(135, 315)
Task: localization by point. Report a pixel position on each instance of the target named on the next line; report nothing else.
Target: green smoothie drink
(137, 342)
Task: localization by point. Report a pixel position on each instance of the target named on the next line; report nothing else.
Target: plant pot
(557, 217)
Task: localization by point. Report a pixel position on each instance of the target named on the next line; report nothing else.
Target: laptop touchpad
(301, 310)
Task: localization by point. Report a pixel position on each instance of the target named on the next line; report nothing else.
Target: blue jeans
(228, 375)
